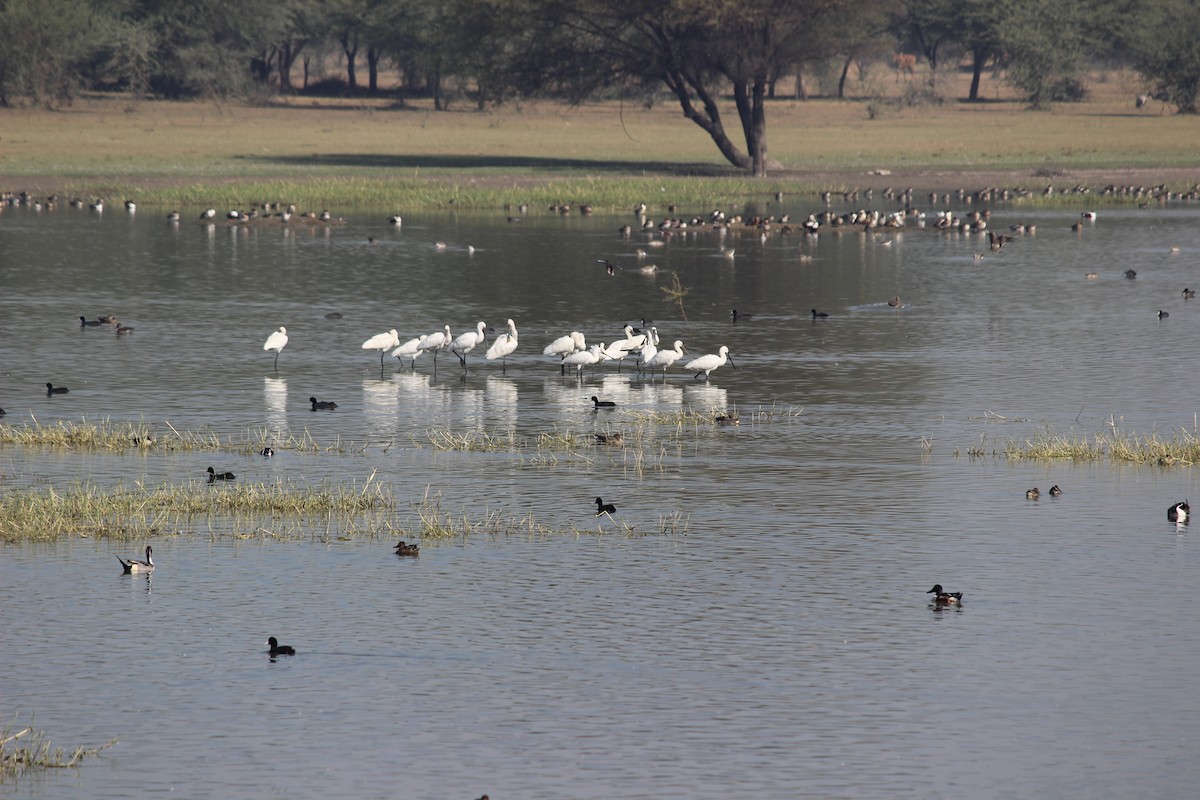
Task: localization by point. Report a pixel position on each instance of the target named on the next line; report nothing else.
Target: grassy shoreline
(361, 153)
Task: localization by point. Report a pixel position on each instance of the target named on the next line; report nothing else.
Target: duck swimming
(322, 405)
(1180, 512)
(133, 565)
(943, 598)
(278, 649)
(51, 389)
(598, 403)
(405, 549)
(220, 476)
(1032, 494)
(604, 508)
(1055, 491)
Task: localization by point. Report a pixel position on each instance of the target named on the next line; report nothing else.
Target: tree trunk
(845, 75)
(351, 51)
(750, 97)
(801, 92)
(979, 58)
(709, 120)
(372, 70)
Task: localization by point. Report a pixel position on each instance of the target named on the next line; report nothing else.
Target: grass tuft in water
(121, 437)
(29, 749)
(1183, 449)
(138, 511)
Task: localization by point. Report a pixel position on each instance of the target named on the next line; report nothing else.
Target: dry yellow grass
(175, 152)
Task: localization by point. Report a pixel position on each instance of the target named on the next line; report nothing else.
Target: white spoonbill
(466, 342)
(564, 346)
(277, 341)
(411, 348)
(664, 359)
(582, 358)
(708, 363)
(438, 340)
(505, 343)
(382, 342)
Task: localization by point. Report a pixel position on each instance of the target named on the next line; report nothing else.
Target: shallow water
(780, 645)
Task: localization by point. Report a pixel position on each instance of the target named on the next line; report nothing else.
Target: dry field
(372, 152)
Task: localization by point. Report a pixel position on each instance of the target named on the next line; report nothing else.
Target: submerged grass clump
(139, 437)
(30, 749)
(1183, 449)
(137, 511)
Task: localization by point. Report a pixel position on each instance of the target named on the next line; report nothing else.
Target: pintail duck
(1032, 494)
(278, 649)
(1055, 491)
(133, 565)
(604, 508)
(322, 405)
(220, 476)
(52, 389)
(598, 403)
(405, 549)
(943, 598)
(1180, 512)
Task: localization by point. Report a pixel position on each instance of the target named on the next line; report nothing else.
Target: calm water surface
(779, 646)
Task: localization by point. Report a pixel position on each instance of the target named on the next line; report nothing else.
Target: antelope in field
(906, 63)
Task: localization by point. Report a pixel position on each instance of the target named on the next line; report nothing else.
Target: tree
(45, 46)
(1166, 50)
(695, 48)
(1044, 41)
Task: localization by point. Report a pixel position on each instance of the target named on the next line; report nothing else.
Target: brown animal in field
(1144, 99)
(906, 63)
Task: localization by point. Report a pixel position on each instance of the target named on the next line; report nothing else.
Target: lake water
(778, 643)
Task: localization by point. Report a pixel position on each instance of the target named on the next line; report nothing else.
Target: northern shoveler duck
(173, 216)
(84, 322)
(943, 598)
(220, 476)
(278, 649)
(107, 319)
(322, 405)
(613, 439)
(819, 314)
(604, 508)
(52, 389)
(132, 565)
(395, 220)
(1032, 494)
(598, 403)
(1055, 491)
(1163, 314)
(1180, 512)
(725, 420)
(267, 451)
(405, 549)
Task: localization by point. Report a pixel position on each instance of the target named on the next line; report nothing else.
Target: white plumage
(504, 345)
(707, 363)
(466, 342)
(277, 341)
(664, 358)
(411, 348)
(382, 342)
